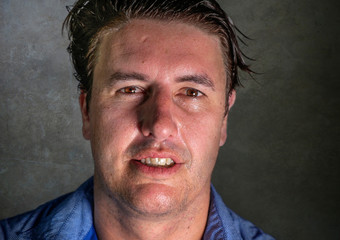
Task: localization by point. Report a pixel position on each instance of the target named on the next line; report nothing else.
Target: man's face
(156, 116)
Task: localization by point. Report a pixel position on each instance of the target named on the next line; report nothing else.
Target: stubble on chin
(147, 200)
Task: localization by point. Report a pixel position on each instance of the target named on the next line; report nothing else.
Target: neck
(115, 221)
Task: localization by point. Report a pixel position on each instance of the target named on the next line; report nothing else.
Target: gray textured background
(280, 165)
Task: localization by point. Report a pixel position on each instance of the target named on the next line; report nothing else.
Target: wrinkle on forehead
(169, 43)
(143, 28)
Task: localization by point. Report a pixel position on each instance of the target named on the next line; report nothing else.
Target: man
(157, 81)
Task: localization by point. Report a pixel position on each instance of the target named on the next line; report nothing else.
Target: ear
(85, 115)
(231, 101)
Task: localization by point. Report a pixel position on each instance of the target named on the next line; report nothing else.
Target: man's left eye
(130, 90)
(191, 92)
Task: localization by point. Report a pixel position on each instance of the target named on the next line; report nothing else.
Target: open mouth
(158, 162)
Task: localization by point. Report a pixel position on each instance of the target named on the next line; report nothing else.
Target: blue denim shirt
(71, 217)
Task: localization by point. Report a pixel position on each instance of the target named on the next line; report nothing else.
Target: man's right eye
(130, 90)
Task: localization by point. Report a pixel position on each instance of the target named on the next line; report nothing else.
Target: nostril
(155, 116)
(158, 124)
(147, 117)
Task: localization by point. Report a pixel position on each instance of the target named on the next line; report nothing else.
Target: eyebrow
(198, 79)
(122, 76)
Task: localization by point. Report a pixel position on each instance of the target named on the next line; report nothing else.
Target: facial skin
(158, 91)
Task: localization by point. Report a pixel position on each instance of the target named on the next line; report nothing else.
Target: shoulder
(233, 226)
(54, 218)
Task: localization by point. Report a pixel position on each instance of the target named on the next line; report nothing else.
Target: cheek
(202, 135)
(202, 140)
(112, 128)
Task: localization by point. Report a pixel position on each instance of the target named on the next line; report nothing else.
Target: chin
(151, 200)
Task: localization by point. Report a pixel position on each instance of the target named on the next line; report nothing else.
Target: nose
(156, 118)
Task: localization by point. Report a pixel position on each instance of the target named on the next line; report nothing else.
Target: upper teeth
(158, 161)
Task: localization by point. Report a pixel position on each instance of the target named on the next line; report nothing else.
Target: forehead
(161, 47)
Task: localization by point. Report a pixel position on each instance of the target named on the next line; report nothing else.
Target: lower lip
(156, 171)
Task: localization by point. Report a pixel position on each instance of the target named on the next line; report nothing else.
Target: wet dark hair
(88, 19)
